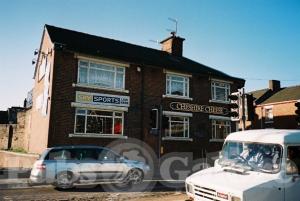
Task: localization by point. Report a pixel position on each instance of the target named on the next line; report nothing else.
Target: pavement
(15, 178)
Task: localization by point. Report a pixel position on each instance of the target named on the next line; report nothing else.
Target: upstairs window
(102, 75)
(220, 91)
(177, 85)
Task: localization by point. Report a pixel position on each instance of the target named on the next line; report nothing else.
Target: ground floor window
(177, 127)
(220, 129)
(98, 122)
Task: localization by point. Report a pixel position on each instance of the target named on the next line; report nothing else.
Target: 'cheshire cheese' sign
(187, 107)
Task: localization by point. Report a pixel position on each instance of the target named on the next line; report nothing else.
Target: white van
(254, 165)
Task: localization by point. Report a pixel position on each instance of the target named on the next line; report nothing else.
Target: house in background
(275, 107)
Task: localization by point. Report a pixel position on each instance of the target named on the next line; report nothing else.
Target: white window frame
(186, 126)
(214, 91)
(227, 123)
(186, 85)
(267, 119)
(97, 134)
(101, 63)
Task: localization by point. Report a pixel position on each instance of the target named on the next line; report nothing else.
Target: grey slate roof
(259, 93)
(285, 94)
(267, 96)
(122, 51)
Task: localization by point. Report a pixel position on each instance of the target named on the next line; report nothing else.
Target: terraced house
(93, 90)
(275, 107)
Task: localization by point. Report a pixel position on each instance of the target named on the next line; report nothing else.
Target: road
(86, 193)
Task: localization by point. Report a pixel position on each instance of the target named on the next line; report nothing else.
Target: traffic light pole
(243, 110)
(160, 133)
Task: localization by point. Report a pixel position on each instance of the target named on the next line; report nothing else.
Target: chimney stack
(173, 45)
(274, 85)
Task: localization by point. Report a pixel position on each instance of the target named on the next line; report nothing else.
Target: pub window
(220, 129)
(220, 91)
(98, 122)
(177, 127)
(177, 85)
(102, 75)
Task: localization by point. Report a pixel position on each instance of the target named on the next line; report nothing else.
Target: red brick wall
(283, 116)
(146, 88)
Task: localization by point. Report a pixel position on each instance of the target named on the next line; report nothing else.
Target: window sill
(97, 87)
(97, 136)
(218, 101)
(216, 140)
(176, 139)
(177, 97)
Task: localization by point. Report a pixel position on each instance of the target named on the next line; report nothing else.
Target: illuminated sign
(102, 99)
(187, 107)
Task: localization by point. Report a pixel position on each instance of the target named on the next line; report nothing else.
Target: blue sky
(256, 40)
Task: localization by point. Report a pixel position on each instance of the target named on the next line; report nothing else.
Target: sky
(257, 40)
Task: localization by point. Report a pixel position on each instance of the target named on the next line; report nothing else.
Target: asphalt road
(97, 193)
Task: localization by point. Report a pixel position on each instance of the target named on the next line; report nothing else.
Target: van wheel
(64, 180)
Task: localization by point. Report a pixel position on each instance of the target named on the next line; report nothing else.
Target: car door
(89, 164)
(112, 168)
(292, 184)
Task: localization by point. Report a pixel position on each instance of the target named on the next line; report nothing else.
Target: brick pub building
(94, 90)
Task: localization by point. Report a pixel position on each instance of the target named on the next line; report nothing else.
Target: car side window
(60, 154)
(87, 154)
(107, 155)
(293, 160)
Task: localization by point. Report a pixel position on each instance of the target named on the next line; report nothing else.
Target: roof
(122, 51)
(259, 93)
(285, 94)
(276, 136)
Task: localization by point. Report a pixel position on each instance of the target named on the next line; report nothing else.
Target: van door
(292, 184)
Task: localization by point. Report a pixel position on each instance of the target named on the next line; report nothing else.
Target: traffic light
(234, 106)
(154, 118)
(297, 111)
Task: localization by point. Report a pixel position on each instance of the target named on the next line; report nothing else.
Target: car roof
(77, 146)
(277, 136)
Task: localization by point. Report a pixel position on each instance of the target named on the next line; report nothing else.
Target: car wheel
(64, 180)
(135, 176)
